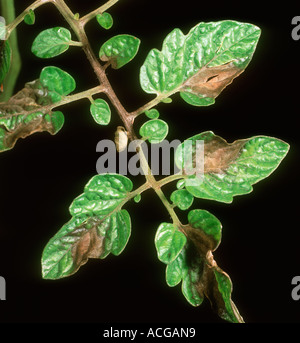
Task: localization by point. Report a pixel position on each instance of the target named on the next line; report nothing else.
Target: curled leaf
(27, 111)
(196, 268)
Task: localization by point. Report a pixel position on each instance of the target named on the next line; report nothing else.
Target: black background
(41, 176)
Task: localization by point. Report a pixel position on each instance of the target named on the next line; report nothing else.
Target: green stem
(99, 10)
(8, 12)
(16, 21)
(127, 118)
(65, 100)
(171, 178)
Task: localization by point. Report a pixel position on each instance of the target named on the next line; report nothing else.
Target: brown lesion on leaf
(24, 130)
(33, 98)
(90, 245)
(218, 154)
(200, 257)
(210, 81)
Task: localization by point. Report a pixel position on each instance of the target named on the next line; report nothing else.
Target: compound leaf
(119, 50)
(200, 64)
(154, 130)
(230, 169)
(51, 42)
(100, 111)
(94, 231)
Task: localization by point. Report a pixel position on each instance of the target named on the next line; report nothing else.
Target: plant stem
(8, 12)
(99, 10)
(65, 100)
(20, 18)
(170, 178)
(127, 118)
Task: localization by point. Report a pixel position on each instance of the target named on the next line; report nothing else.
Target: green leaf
(21, 126)
(5, 59)
(57, 120)
(220, 297)
(100, 111)
(119, 50)
(51, 42)
(98, 227)
(29, 18)
(208, 225)
(152, 114)
(196, 100)
(231, 169)
(169, 241)
(182, 199)
(137, 198)
(154, 130)
(105, 20)
(196, 268)
(103, 194)
(200, 64)
(58, 82)
(83, 238)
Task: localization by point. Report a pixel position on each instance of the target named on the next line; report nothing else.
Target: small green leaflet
(29, 18)
(182, 199)
(154, 130)
(169, 242)
(232, 169)
(152, 114)
(51, 42)
(100, 111)
(119, 50)
(200, 64)
(58, 82)
(105, 20)
(97, 228)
